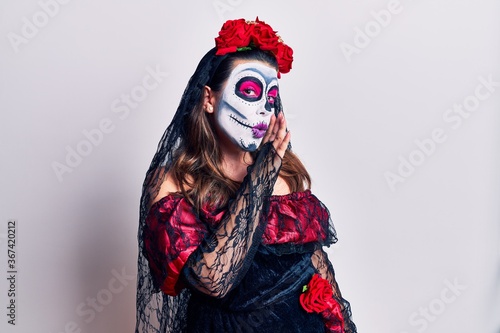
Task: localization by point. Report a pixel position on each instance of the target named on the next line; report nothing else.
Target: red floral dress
(283, 288)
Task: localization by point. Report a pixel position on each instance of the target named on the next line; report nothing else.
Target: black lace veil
(156, 311)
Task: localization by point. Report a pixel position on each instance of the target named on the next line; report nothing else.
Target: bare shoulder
(168, 186)
(281, 187)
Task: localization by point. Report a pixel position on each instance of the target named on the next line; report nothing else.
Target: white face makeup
(247, 104)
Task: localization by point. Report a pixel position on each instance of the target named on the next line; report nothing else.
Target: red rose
(284, 55)
(234, 34)
(240, 34)
(264, 37)
(317, 295)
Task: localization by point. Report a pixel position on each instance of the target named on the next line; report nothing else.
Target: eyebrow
(255, 70)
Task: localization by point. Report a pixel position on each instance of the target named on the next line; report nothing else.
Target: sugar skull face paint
(247, 104)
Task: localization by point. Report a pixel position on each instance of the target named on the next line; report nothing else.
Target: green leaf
(246, 48)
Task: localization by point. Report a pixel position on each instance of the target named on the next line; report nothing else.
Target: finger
(274, 129)
(270, 128)
(283, 145)
(280, 135)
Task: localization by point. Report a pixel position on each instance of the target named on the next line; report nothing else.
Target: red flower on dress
(317, 296)
(238, 35)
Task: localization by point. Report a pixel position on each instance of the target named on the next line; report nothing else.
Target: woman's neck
(235, 162)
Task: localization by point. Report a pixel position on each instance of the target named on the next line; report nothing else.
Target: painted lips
(259, 130)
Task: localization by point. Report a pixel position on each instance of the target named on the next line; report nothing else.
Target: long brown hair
(197, 167)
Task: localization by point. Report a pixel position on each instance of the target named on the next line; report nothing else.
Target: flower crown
(241, 35)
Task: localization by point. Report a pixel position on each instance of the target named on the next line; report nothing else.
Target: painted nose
(268, 107)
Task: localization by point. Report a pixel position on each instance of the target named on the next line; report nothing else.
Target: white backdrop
(393, 107)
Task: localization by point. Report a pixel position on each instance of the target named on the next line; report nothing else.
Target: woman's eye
(249, 92)
(271, 95)
(249, 88)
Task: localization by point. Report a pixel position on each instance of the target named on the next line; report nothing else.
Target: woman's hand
(277, 134)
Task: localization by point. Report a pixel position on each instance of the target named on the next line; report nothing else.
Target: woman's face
(247, 103)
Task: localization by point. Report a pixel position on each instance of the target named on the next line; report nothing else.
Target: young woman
(230, 236)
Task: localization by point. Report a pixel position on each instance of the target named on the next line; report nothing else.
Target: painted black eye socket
(272, 95)
(249, 88)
